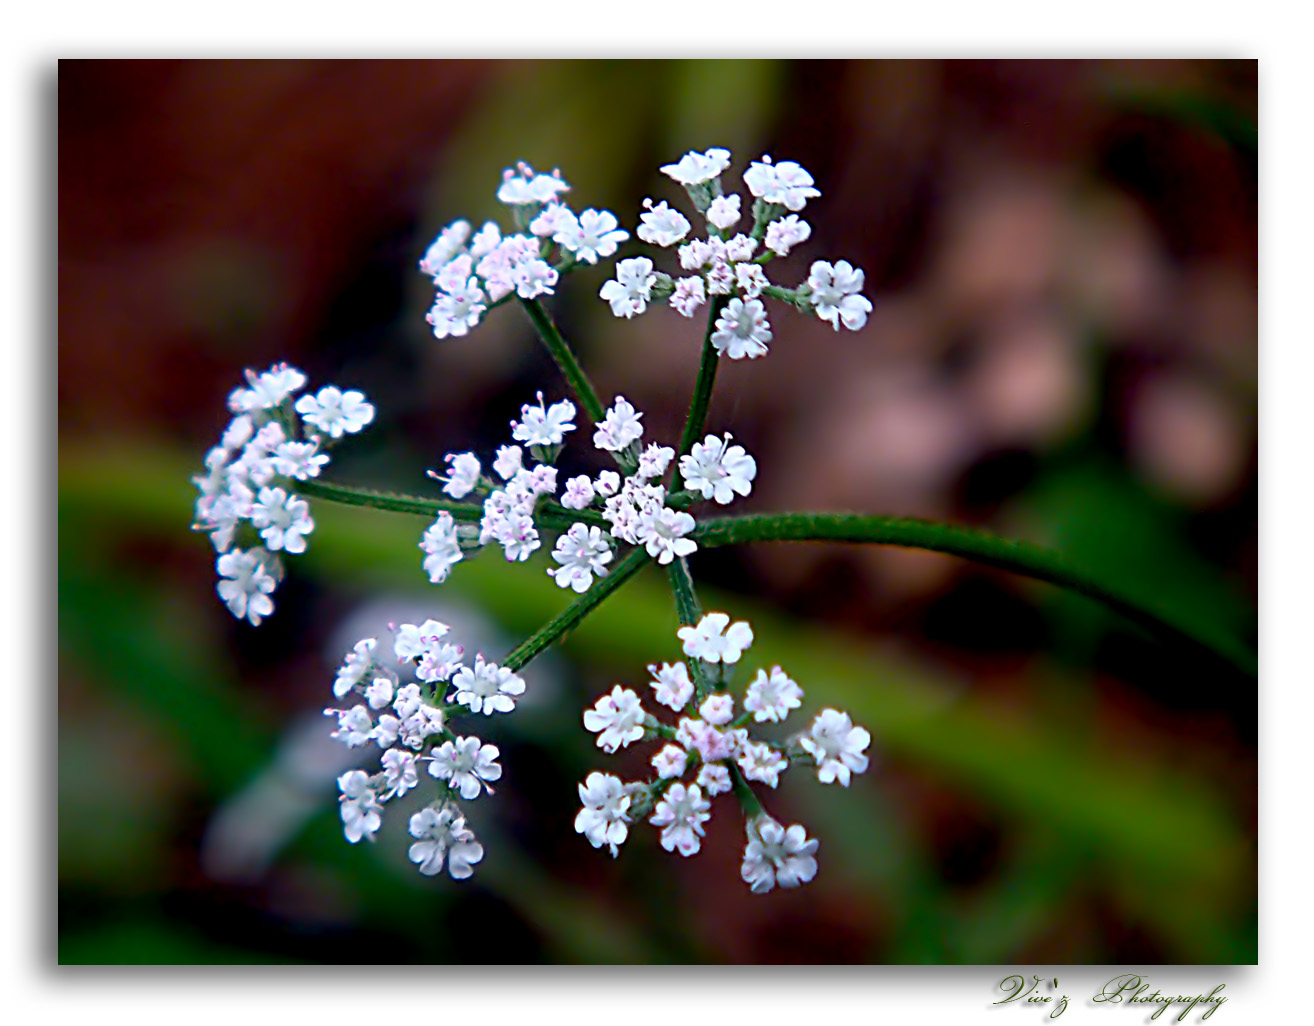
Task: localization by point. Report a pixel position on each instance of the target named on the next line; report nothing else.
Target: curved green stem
(551, 515)
(565, 359)
(982, 547)
(702, 394)
(570, 617)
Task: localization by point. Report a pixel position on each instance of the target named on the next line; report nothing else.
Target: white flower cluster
(728, 262)
(714, 746)
(634, 507)
(471, 270)
(409, 723)
(247, 500)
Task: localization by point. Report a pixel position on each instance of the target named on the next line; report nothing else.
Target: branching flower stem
(702, 394)
(570, 617)
(579, 383)
(1015, 556)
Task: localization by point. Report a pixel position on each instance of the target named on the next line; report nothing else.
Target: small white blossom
(617, 719)
(487, 688)
(248, 579)
(578, 493)
(534, 278)
(485, 240)
(835, 296)
(466, 764)
(775, 855)
(712, 744)
(544, 425)
(740, 248)
(718, 470)
(670, 761)
(359, 806)
(671, 684)
(772, 697)
(425, 722)
(441, 548)
(712, 642)
(301, 460)
(354, 668)
(283, 520)
(354, 725)
(412, 642)
(663, 533)
(399, 771)
(522, 186)
(604, 816)
(662, 226)
(380, 693)
(462, 475)
(762, 762)
(444, 247)
(696, 254)
(695, 168)
(442, 834)
(620, 426)
(837, 745)
(386, 731)
(583, 553)
(510, 458)
(267, 390)
(751, 280)
(742, 330)
(720, 278)
(786, 233)
(608, 483)
(335, 411)
(554, 218)
(785, 183)
(723, 211)
(439, 662)
(629, 292)
(718, 710)
(654, 460)
(714, 779)
(688, 296)
(682, 812)
(594, 234)
(457, 310)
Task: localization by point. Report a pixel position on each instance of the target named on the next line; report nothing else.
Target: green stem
(565, 359)
(702, 395)
(690, 611)
(747, 799)
(550, 515)
(982, 547)
(570, 617)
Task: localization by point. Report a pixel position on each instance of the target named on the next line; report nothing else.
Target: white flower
(578, 493)
(425, 722)
(359, 806)
(354, 668)
(688, 296)
(751, 280)
(299, 459)
(629, 291)
(654, 460)
(740, 248)
(786, 233)
(380, 692)
(283, 520)
(718, 469)
(267, 390)
(762, 762)
(582, 552)
(249, 579)
(604, 815)
(462, 475)
(540, 425)
(457, 310)
(785, 183)
(617, 719)
(775, 855)
(518, 537)
(712, 642)
(444, 247)
(672, 684)
(386, 731)
(837, 745)
(718, 710)
(670, 761)
(555, 217)
(771, 698)
(488, 688)
(695, 168)
(594, 234)
(442, 834)
(620, 426)
(354, 725)
(661, 225)
(485, 240)
(510, 458)
(720, 278)
(682, 812)
(712, 744)
(534, 277)
(697, 253)
(501, 266)
(723, 211)
(835, 294)
(742, 330)
(522, 186)
(442, 551)
(335, 411)
(662, 531)
(466, 764)
(608, 483)
(714, 779)
(412, 642)
(439, 662)
(399, 771)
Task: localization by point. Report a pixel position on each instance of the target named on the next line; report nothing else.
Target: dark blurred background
(1062, 258)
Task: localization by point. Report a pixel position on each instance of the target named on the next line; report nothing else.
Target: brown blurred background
(1062, 259)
